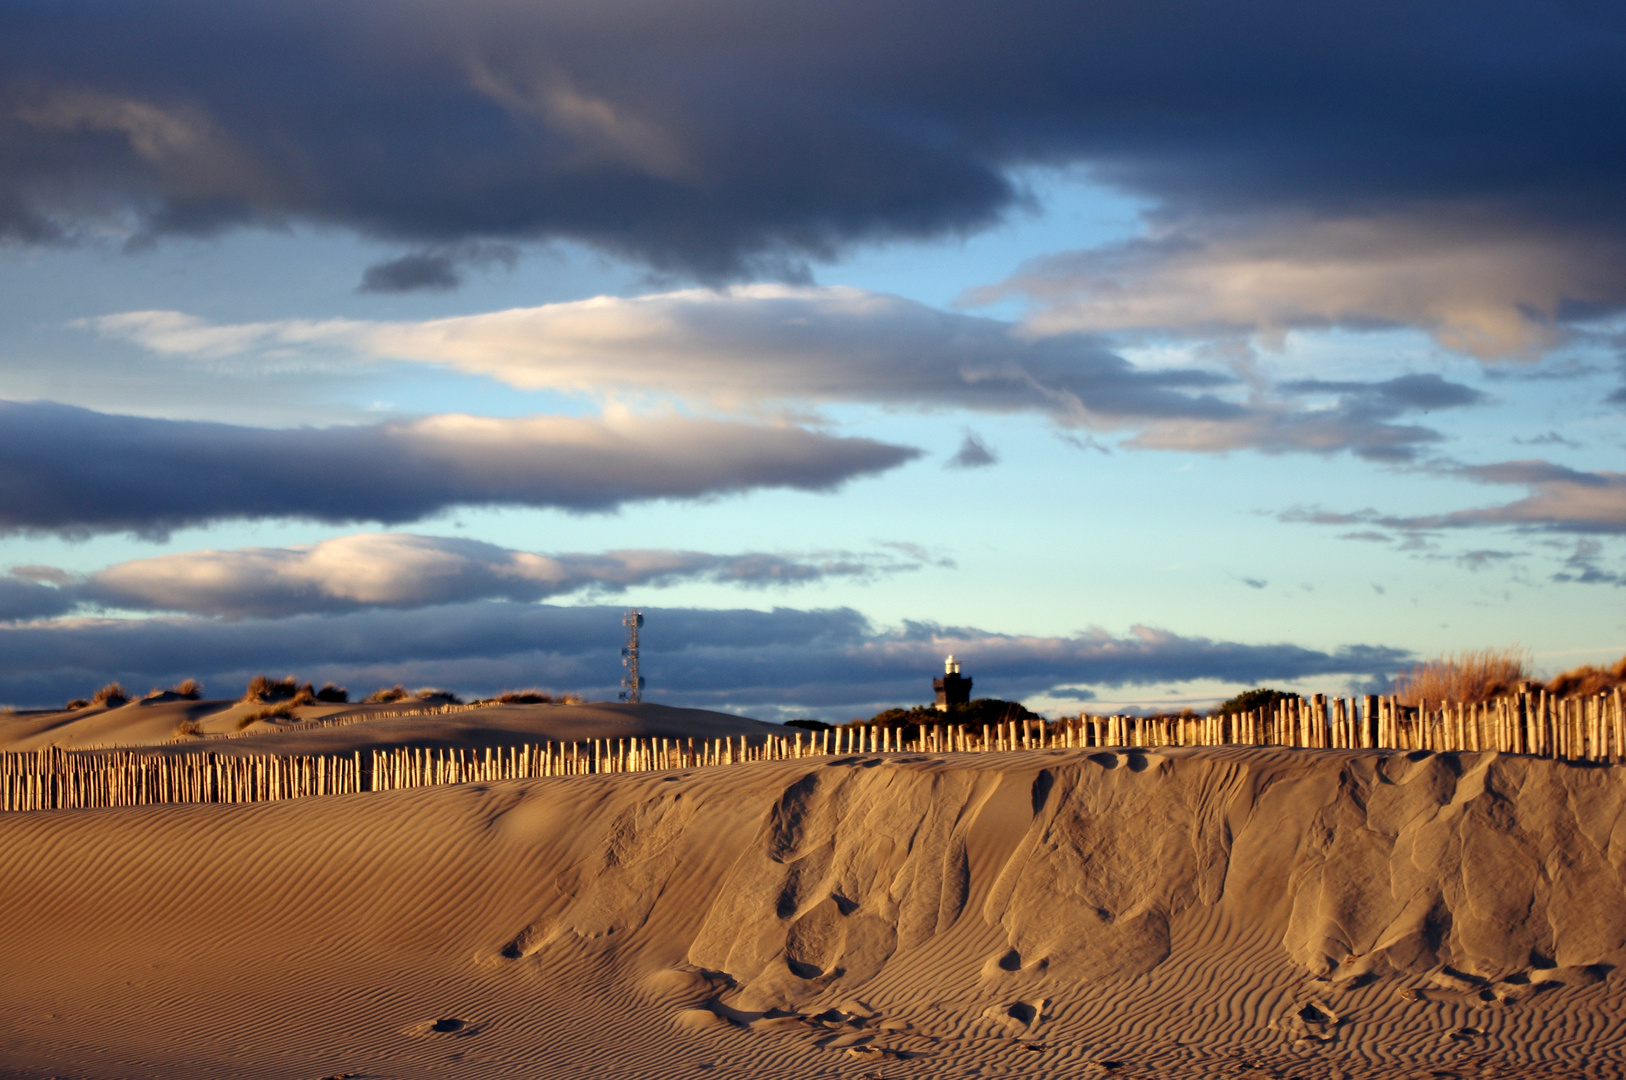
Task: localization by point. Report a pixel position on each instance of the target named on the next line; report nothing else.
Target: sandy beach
(1137, 913)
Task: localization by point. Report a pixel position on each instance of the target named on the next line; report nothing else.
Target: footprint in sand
(1312, 1024)
(699, 1020)
(1020, 1017)
(446, 1025)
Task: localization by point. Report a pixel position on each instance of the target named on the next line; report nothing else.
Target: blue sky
(831, 359)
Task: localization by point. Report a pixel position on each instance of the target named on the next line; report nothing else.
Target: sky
(1134, 354)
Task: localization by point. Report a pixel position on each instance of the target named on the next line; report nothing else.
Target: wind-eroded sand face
(1171, 914)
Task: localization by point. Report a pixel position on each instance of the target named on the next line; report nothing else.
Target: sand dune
(342, 729)
(1054, 913)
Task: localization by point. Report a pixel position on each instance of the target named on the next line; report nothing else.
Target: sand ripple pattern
(1063, 912)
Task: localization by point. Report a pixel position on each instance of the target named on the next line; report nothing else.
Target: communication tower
(633, 684)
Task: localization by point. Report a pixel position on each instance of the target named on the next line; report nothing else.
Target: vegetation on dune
(112, 695)
(1589, 679)
(430, 693)
(976, 713)
(1260, 697)
(264, 689)
(809, 725)
(1477, 675)
(333, 695)
(386, 694)
(533, 695)
(188, 688)
(77, 704)
(281, 710)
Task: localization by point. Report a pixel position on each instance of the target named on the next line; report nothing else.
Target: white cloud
(1476, 288)
(1560, 499)
(753, 347)
(403, 570)
(738, 349)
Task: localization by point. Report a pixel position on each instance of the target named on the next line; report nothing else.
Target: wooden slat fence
(1575, 728)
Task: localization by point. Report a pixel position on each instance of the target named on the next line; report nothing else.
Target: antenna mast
(633, 684)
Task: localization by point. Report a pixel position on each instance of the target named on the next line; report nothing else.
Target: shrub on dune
(1589, 679)
(1478, 675)
(279, 711)
(812, 725)
(1261, 697)
(262, 688)
(188, 688)
(430, 693)
(76, 704)
(112, 695)
(530, 696)
(333, 695)
(973, 713)
(387, 694)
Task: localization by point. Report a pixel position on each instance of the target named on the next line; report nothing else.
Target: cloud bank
(751, 347)
(739, 347)
(773, 663)
(689, 135)
(1477, 287)
(399, 570)
(1360, 417)
(74, 471)
(1560, 499)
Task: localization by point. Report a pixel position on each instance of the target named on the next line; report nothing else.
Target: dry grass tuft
(76, 704)
(188, 688)
(387, 693)
(334, 695)
(187, 729)
(1478, 675)
(112, 695)
(532, 696)
(261, 688)
(430, 693)
(1589, 679)
(282, 710)
(536, 696)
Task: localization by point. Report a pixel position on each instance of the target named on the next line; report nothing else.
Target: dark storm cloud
(73, 471)
(723, 137)
(22, 598)
(829, 661)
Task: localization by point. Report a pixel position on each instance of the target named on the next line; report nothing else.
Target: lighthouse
(953, 688)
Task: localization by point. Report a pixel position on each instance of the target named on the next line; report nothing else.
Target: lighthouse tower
(953, 688)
